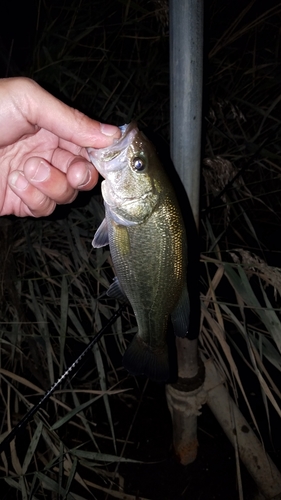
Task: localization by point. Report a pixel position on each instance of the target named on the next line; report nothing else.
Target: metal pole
(186, 70)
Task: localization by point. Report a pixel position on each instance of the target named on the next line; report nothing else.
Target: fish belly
(150, 264)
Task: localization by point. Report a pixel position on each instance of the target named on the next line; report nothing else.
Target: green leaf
(70, 477)
(63, 319)
(72, 413)
(32, 447)
(101, 457)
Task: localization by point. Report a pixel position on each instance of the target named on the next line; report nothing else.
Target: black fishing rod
(75, 366)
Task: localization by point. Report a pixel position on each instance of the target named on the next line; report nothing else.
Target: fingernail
(85, 180)
(41, 173)
(18, 180)
(108, 130)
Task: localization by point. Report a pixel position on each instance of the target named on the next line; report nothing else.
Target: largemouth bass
(144, 228)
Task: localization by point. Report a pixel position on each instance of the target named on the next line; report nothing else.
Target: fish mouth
(109, 158)
(126, 129)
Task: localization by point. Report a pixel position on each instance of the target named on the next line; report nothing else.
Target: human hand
(43, 157)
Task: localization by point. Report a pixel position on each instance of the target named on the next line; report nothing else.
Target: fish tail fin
(142, 359)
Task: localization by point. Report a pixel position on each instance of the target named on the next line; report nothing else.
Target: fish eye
(139, 164)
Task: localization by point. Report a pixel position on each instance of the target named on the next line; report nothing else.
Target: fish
(146, 234)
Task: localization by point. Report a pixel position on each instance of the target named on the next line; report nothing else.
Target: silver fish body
(144, 228)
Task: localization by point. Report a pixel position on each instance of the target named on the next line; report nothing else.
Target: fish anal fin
(142, 359)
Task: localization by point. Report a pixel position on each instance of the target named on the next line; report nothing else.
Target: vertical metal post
(186, 76)
(186, 79)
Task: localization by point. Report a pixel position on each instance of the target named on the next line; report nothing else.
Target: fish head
(130, 168)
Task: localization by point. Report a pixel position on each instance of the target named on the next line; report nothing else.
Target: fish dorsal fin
(116, 292)
(101, 236)
(180, 315)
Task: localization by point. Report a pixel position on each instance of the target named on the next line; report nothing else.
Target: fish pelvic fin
(115, 291)
(142, 359)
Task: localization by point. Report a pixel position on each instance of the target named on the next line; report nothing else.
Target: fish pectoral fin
(142, 359)
(115, 291)
(180, 315)
(101, 236)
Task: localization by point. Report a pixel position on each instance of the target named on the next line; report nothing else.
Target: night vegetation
(111, 61)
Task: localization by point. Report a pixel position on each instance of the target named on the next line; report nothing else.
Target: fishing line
(75, 366)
